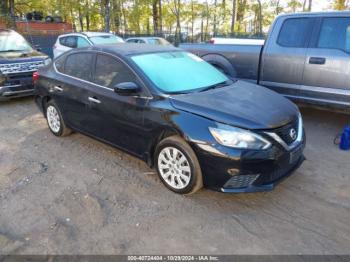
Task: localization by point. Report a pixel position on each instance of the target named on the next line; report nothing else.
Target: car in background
(67, 42)
(176, 112)
(18, 61)
(147, 40)
(305, 57)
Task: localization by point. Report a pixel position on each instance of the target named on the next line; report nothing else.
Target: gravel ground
(75, 195)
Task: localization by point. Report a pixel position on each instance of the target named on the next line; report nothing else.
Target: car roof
(327, 13)
(88, 34)
(146, 37)
(124, 49)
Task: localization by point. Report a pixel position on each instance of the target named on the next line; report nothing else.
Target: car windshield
(179, 72)
(106, 39)
(11, 42)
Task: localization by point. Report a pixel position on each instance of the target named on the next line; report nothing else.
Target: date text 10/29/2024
(173, 258)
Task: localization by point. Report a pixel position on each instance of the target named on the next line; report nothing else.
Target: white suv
(67, 42)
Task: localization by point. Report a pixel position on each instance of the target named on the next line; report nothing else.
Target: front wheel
(178, 166)
(55, 120)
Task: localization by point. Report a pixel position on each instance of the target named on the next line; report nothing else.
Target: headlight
(47, 61)
(238, 138)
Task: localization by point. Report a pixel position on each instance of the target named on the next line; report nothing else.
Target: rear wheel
(178, 166)
(55, 120)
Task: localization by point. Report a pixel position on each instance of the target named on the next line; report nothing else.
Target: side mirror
(126, 88)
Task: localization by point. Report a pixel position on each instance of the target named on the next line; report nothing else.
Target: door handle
(94, 100)
(317, 60)
(58, 88)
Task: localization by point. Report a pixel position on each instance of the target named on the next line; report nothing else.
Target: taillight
(211, 41)
(35, 77)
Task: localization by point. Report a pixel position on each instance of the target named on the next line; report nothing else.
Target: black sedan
(176, 112)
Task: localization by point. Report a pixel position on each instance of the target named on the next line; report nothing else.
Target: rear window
(295, 32)
(62, 40)
(335, 34)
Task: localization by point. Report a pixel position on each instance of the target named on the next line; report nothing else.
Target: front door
(119, 117)
(284, 55)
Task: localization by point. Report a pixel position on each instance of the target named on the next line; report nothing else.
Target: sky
(321, 5)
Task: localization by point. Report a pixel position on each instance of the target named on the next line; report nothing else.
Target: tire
(55, 121)
(182, 177)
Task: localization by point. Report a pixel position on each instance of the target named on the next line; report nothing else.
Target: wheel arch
(221, 62)
(161, 133)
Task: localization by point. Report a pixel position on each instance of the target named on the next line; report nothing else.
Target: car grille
(240, 181)
(278, 173)
(284, 131)
(20, 67)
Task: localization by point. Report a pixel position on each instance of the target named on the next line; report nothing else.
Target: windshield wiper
(218, 85)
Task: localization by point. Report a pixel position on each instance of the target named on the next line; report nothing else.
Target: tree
(340, 4)
(233, 17)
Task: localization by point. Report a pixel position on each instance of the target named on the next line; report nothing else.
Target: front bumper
(236, 171)
(17, 85)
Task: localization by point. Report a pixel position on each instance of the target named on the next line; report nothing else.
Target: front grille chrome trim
(24, 67)
(297, 140)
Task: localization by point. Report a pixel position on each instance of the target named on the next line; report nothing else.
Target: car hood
(18, 57)
(241, 104)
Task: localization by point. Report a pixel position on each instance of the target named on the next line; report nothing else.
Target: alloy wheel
(174, 167)
(53, 119)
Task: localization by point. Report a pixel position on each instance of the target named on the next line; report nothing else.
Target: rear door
(73, 90)
(284, 55)
(327, 66)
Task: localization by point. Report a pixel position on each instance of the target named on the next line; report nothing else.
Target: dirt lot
(75, 195)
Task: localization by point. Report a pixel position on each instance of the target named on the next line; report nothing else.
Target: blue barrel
(345, 139)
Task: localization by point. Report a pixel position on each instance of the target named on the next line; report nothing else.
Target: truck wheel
(177, 166)
(55, 120)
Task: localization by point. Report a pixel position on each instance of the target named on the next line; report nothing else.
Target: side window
(295, 32)
(59, 64)
(71, 41)
(82, 42)
(131, 41)
(79, 65)
(110, 71)
(335, 34)
(62, 40)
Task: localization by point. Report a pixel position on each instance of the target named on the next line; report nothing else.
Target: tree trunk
(155, 16)
(242, 5)
(202, 29)
(87, 15)
(214, 19)
(233, 17)
(116, 15)
(80, 17)
(310, 6)
(192, 20)
(12, 13)
(160, 16)
(260, 18)
(107, 15)
(177, 5)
